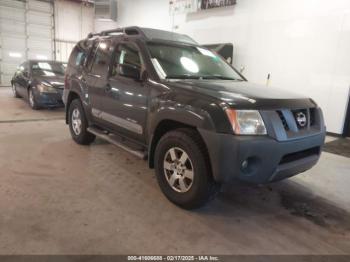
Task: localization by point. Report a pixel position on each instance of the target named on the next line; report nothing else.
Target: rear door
(96, 77)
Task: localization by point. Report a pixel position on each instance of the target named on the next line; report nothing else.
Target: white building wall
(103, 24)
(303, 44)
(73, 22)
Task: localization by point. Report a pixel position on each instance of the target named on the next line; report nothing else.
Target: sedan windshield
(48, 68)
(189, 62)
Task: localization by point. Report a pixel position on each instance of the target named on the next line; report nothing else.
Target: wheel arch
(164, 126)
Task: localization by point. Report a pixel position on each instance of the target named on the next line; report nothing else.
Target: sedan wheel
(14, 90)
(32, 101)
(31, 98)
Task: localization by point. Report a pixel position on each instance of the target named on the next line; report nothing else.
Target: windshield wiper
(218, 77)
(182, 77)
(188, 76)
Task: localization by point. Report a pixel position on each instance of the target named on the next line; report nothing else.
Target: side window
(79, 53)
(101, 60)
(127, 58)
(80, 58)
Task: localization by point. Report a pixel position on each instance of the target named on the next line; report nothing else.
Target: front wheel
(32, 100)
(183, 169)
(78, 124)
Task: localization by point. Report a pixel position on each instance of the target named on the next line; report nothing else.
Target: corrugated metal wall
(26, 32)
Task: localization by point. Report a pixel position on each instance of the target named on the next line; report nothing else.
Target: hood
(242, 94)
(54, 81)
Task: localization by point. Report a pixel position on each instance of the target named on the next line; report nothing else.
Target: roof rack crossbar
(127, 31)
(90, 35)
(117, 30)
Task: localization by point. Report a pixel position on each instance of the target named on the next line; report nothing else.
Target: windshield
(48, 68)
(189, 62)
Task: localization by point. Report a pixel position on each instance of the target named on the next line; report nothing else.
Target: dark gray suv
(197, 121)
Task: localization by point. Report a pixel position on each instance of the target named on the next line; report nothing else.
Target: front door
(126, 96)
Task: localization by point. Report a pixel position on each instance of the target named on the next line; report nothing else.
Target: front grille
(283, 119)
(298, 119)
(300, 155)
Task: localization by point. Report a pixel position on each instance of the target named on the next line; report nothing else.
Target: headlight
(46, 88)
(246, 122)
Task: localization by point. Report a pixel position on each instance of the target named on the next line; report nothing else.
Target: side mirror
(129, 71)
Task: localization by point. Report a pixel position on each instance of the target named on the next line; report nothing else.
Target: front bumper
(268, 160)
(49, 99)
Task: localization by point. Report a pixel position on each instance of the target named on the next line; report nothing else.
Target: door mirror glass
(129, 71)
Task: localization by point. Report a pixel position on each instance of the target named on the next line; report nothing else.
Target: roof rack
(126, 31)
(148, 34)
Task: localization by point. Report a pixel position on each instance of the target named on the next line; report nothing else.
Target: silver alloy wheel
(76, 121)
(14, 89)
(31, 98)
(178, 169)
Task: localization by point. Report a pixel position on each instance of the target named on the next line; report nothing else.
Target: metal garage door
(26, 32)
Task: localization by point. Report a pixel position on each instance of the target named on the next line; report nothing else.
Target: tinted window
(80, 59)
(47, 68)
(127, 54)
(102, 58)
(80, 53)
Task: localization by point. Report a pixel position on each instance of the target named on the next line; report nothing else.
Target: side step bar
(113, 140)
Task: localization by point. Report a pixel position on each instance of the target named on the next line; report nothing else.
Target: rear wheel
(78, 124)
(32, 100)
(183, 169)
(14, 91)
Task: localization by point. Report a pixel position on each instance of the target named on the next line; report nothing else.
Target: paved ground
(57, 197)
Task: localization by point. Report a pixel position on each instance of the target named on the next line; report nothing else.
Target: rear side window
(101, 59)
(80, 59)
(79, 54)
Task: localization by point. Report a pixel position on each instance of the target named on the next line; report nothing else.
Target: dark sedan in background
(40, 82)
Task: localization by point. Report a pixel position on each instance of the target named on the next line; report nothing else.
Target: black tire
(83, 137)
(32, 101)
(203, 188)
(14, 90)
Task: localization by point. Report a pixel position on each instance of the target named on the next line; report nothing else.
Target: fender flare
(187, 116)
